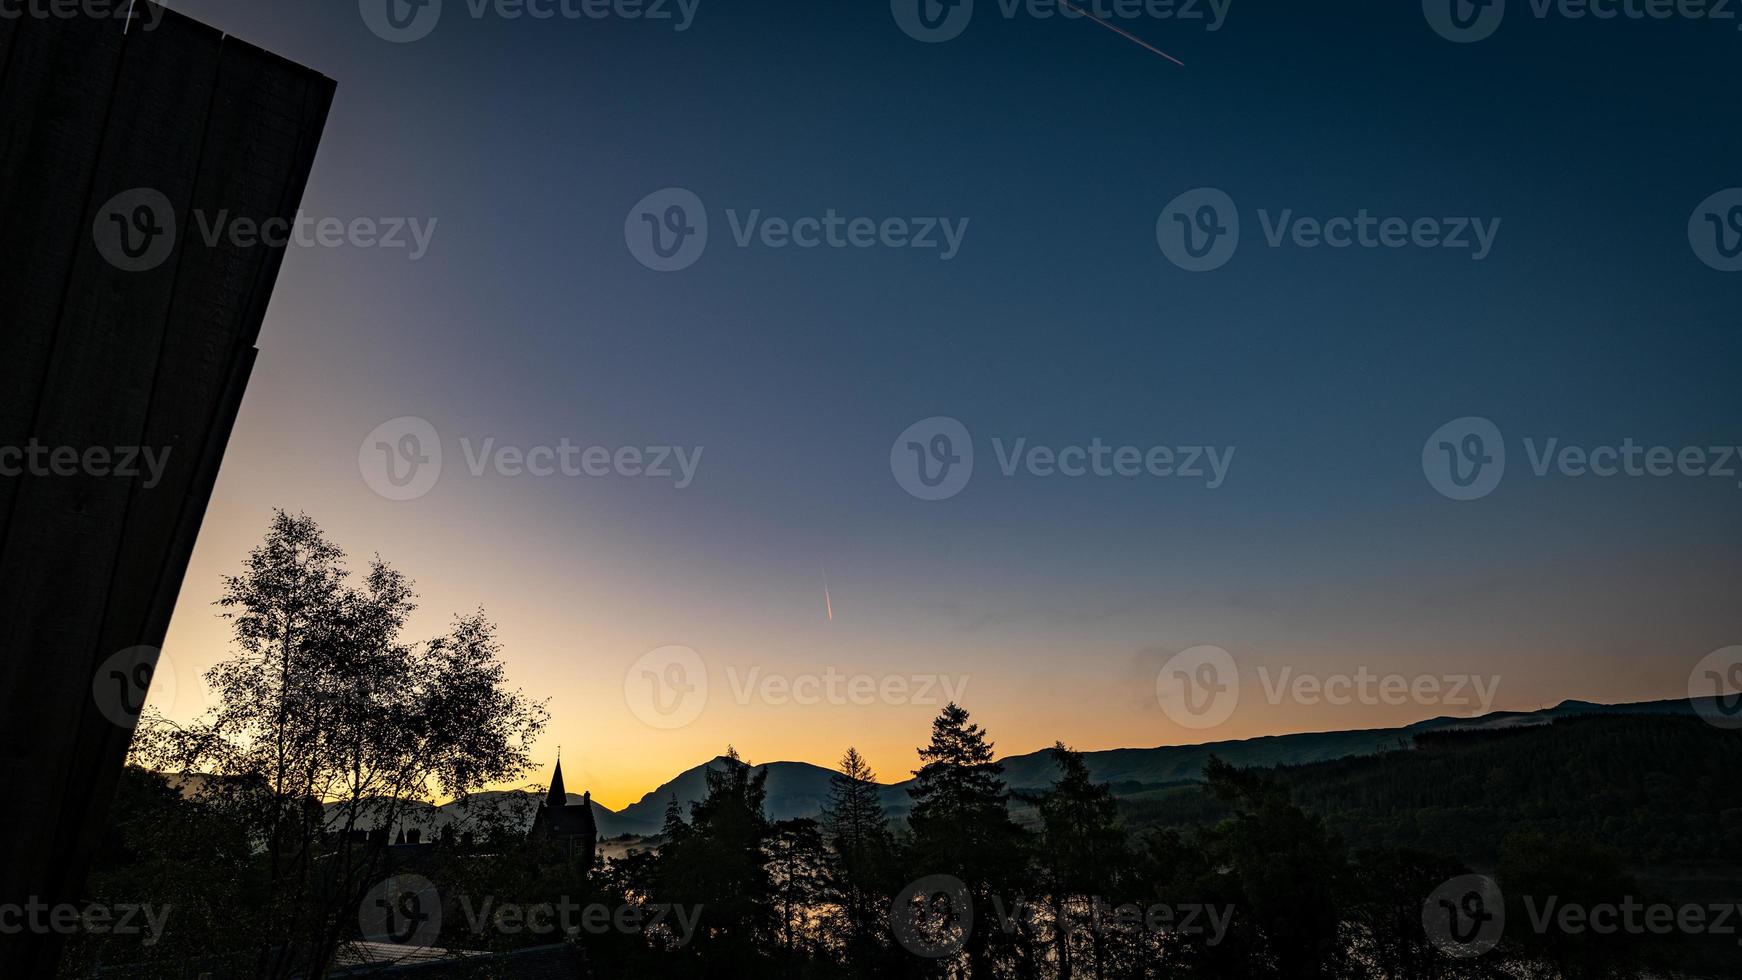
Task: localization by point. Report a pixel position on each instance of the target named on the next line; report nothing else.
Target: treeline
(1262, 886)
(1265, 889)
(1653, 789)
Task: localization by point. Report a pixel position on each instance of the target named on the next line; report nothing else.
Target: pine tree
(961, 823)
(1082, 848)
(718, 865)
(858, 830)
(798, 865)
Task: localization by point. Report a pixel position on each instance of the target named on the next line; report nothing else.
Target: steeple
(558, 797)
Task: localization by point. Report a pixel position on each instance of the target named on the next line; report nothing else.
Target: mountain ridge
(799, 789)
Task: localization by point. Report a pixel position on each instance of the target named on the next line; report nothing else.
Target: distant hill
(798, 789)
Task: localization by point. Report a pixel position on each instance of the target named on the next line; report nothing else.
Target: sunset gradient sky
(1060, 322)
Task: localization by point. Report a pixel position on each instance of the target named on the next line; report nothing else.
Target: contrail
(1127, 35)
(828, 603)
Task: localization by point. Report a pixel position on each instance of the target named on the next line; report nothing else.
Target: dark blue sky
(1060, 321)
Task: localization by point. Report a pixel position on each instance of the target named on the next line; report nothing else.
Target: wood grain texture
(97, 356)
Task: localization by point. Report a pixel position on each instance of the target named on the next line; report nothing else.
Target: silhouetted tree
(961, 827)
(718, 864)
(858, 830)
(798, 869)
(328, 722)
(1082, 848)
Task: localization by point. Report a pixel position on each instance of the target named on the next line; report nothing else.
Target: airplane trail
(1123, 33)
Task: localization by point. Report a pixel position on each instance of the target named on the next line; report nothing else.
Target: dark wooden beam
(99, 355)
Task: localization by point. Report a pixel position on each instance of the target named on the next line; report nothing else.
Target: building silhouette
(570, 826)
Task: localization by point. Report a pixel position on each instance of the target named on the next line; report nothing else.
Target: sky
(1059, 318)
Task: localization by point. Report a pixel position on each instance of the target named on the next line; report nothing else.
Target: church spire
(558, 797)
